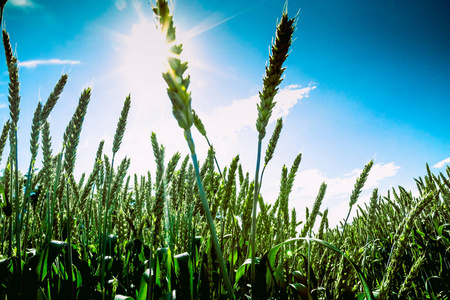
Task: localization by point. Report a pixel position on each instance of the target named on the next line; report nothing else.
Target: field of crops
(198, 230)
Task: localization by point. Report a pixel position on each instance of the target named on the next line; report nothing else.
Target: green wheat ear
(35, 130)
(177, 83)
(120, 130)
(412, 275)
(72, 134)
(158, 206)
(46, 152)
(274, 71)
(323, 224)
(3, 137)
(201, 128)
(14, 85)
(273, 142)
(53, 98)
(98, 155)
(360, 183)
(309, 225)
(199, 124)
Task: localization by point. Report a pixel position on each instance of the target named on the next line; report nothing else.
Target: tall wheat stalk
(71, 140)
(14, 102)
(120, 130)
(34, 145)
(271, 81)
(182, 111)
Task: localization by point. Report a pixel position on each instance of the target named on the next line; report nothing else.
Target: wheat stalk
(14, 102)
(181, 108)
(34, 146)
(271, 81)
(118, 136)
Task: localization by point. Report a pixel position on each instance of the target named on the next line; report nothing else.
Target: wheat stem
(209, 219)
(118, 136)
(253, 225)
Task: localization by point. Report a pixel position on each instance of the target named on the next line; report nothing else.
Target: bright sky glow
(364, 80)
(23, 3)
(144, 57)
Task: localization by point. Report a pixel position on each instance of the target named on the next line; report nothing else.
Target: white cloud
(379, 172)
(22, 3)
(442, 163)
(2, 105)
(55, 61)
(227, 121)
(287, 98)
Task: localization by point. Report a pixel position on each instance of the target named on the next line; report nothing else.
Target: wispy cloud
(55, 61)
(228, 120)
(22, 3)
(2, 105)
(442, 163)
(378, 173)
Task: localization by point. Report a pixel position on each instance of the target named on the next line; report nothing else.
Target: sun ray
(212, 21)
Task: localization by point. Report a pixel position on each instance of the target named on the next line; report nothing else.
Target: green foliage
(185, 231)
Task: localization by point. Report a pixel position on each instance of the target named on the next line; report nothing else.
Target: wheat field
(198, 230)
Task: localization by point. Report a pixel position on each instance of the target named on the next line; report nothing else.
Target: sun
(146, 52)
(142, 58)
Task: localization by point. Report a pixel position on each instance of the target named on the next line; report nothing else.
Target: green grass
(195, 230)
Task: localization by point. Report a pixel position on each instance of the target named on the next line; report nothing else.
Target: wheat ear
(201, 128)
(360, 181)
(315, 211)
(72, 134)
(3, 137)
(53, 98)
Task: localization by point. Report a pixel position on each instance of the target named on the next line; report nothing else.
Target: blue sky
(364, 80)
